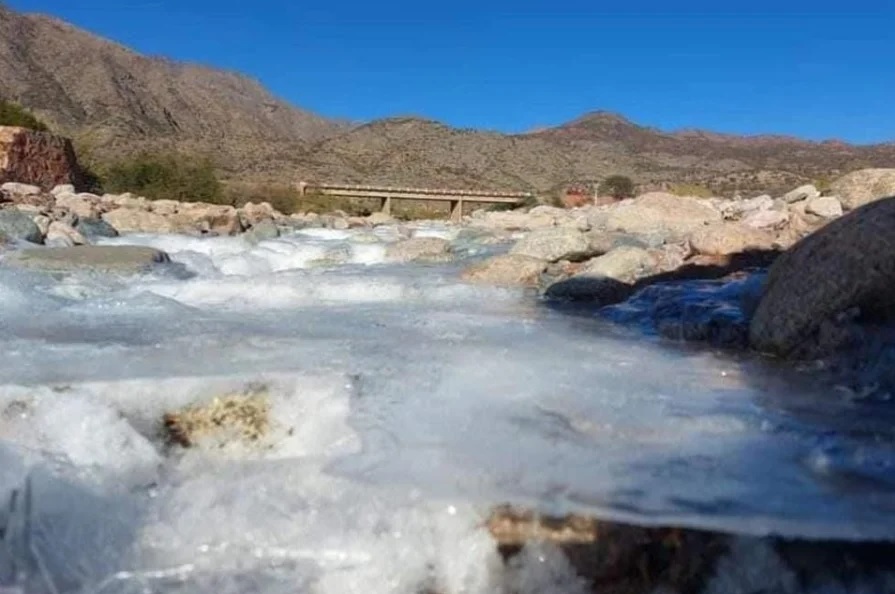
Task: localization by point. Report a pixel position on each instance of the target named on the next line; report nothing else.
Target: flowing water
(404, 404)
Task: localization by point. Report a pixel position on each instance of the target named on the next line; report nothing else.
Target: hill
(114, 101)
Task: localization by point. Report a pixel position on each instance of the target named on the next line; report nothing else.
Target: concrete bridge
(385, 194)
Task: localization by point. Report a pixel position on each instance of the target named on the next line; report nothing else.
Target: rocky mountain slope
(114, 101)
(113, 98)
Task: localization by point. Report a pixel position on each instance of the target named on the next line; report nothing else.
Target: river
(404, 404)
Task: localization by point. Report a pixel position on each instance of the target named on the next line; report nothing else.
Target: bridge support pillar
(386, 206)
(457, 210)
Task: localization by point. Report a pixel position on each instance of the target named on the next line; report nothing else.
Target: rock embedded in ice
(17, 225)
(234, 417)
(126, 259)
(95, 228)
(420, 249)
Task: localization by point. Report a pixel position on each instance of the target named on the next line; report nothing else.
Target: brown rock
(848, 263)
(42, 221)
(233, 418)
(59, 232)
(624, 263)
(251, 214)
(132, 220)
(864, 186)
(721, 239)
(81, 205)
(506, 270)
(514, 220)
(38, 158)
(614, 557)
(420, 249)
(559, 243)
(114, 258)
(127, 200)
(606, 279)
(658, 211)
(827, 207)
(766, 219)
(164, 207)
(216, 219)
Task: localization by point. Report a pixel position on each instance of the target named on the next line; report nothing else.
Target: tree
(15, 115)
(617, 186)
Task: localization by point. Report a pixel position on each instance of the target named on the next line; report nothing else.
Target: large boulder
(93, 229)
(20, 189)
(606, 279)
(806, 192)
(251, 214)
(62, 234)
(420, 249)
(864, 186)
(18, 225)
(37, 158)
(827, 207)
(766, 219)
(552, 245)
(735, 209)
(134, 220)
(624, 263)
(512, 220)
(118, 258)
(127, 200)
(511, 270)
(722, 239)
(216, 219)
(83, 205)
(848, 263)
(662, 212)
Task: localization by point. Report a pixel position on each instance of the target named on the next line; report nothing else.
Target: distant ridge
(115, 101)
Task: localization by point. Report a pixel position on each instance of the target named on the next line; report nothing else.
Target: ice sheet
(405, 405)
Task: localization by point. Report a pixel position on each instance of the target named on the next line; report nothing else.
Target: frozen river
(404, 404)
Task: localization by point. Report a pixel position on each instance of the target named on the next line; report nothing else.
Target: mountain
(114, 101)
(117, 100)
(417, 151)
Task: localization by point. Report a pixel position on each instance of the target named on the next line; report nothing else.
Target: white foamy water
(404, 404)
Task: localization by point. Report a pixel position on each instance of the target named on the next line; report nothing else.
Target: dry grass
(242, 418)
(615, 558)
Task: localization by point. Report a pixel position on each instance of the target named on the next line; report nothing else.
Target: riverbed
(404, 405)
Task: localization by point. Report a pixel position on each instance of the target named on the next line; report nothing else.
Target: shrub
(15, 115)
(84, 147)
(823, 185)
(282, 197)
(164, 177)
(617, 186)
(694, 190)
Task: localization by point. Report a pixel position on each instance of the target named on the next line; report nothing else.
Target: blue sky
(813, 69)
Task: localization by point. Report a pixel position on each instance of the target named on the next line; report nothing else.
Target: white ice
(404, 405)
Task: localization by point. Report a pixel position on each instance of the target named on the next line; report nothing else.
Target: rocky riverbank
(618, 259)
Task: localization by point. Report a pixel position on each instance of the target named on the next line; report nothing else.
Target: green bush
(164, 177)
(617, 186)
(823, 185)
(15, 115)
(693, 190)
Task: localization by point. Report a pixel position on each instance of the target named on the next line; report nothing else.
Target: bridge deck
(386, 194)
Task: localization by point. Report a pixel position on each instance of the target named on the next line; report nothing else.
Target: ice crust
(404, 404)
